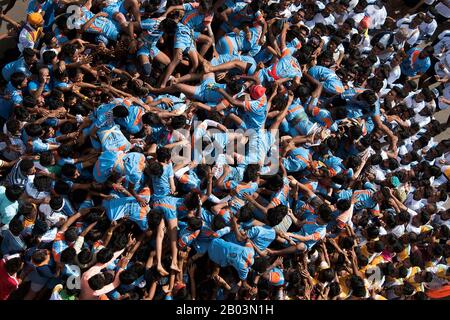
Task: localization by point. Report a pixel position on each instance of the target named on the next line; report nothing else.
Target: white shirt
(444, 9)
(428, 28)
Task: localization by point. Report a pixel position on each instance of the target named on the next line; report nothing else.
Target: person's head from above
(276, 214)
(417, 20)
(19, 80)
(274, 182)
(177, 122)
(13, 193)
(56, 203)
(245, 213)
(326, 59)
(35, 20)
(194, 223)
(71, 234)
(62, 188)
(120, 111)
(324, 214)
(40, 257)
(50, 40)
(347, 26)
(261, 265)
(426, 52)
(16, 226)
(192, 201)
(154, 168)
(29, 56)
(329, 8)
(70, 171)
(163, 155)
(85, 256)
(68, 255)
(13, 264)
(251, 173)
(97, 281)
(154, 218)
(104, 255)
(298, 17)
(257, 91)
(368, 96)
(26, 167)
(43, 183)
(357, 286)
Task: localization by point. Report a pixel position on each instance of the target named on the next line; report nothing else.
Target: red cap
(257, 91)
(365, 23)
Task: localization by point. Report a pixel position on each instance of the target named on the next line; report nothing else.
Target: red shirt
(7, 283)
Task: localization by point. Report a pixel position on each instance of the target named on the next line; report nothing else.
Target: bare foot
(206, 66)
(221, 76)
(162, 271)
(174, 267)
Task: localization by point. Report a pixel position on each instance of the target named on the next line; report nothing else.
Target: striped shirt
(16, 177)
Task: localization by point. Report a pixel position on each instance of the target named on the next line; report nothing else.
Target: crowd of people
(338, 190)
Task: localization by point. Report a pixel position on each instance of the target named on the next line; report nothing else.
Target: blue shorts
(149, 50)
(184, 39)
(115, 8)
(205, 93)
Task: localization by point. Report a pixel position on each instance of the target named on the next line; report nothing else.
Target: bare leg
(193, 57)
(299, 247)
(162, 58)
(177, 56)
(227, 66)
(159, 241)
(188, 90)
(133, 7)
(172, 224)
(206, 43)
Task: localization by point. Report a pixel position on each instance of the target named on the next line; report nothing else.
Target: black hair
(43, 183)
(56, 202)
(62, 187)
(274, 182)
(155, 168)
(245, 213)
(68, 170)
(34, 130)
(154, 218)
(97, 281)
(84, 256)
(28, 53)
(46, 158)
(326, 275)
(251, 172)
(17, 78)
(192, 200)
(163, 154)
(276, 215)
(68, 255)
(261, 264)
(13, 265)
(120, 111)
(343, 204)
(194, 223)
(178, 122)
(127, 277)
(16, 226)
(13, 193)
(71, 234)
(104, 255)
